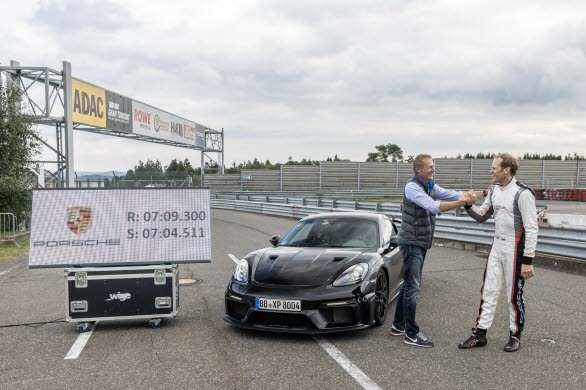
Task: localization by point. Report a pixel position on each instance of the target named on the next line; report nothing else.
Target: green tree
(576, 156)
(384, 152)
(179, 169)
(147, 171)
(19, 145)
(551, 156)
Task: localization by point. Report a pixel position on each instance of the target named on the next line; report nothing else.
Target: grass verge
(10, 251)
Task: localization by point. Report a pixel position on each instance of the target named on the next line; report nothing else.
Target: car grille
(236, 309)
(281, 319)
(338, 316)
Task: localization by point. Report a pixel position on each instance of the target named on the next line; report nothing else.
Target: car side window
(387, 232)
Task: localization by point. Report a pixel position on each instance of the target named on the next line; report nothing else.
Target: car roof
(350, 214)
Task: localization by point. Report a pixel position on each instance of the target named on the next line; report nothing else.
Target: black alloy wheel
(381, 294)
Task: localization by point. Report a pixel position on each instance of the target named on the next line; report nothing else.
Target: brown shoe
(514, 342)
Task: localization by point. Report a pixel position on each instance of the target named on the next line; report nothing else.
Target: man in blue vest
(422, 201)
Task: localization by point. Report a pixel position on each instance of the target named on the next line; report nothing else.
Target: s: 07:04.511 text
(166, 233)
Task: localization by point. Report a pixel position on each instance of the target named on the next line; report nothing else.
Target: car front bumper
(324, 309)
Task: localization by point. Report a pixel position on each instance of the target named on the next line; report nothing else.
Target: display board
(95, 227)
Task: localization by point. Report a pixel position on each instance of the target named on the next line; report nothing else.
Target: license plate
(278, 304)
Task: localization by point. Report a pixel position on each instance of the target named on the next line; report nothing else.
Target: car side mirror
(275, 240)
(389, 247)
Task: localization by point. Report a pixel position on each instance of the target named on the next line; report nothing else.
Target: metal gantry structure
(47, 94)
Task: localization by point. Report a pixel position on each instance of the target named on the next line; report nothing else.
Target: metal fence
(363, 176)
(117, 182)
(8, 228)
(568, 242)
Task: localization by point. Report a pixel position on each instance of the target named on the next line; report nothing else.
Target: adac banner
(155, 123)
(95, 106)
(89, 104)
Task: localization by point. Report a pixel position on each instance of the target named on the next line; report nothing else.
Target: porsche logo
(79, 219)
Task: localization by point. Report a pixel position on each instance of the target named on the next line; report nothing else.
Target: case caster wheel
(83, 327)
(155, 323)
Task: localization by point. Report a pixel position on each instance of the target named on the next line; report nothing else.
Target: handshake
(468, 197)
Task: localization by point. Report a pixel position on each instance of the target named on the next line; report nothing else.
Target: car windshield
(333, 233)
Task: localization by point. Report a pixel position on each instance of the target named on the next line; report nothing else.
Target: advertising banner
(152, 122)
(119, 113)
(95, 106)
(200, 140)
(99, 227)
(89, 104)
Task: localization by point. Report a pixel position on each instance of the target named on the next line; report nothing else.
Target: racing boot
(478, 339)
(514, 342)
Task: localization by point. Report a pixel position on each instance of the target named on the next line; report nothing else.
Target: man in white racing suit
(513, 206)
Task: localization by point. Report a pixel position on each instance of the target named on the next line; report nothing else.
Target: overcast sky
(311, 79)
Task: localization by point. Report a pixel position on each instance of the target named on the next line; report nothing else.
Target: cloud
(71, 17)
(317, 78)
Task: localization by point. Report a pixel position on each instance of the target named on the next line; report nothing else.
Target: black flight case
(119, 293)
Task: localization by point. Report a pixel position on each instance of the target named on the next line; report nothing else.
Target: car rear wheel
(381, 299)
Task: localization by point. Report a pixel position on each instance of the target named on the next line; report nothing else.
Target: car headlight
(352, 275)
(241, 272)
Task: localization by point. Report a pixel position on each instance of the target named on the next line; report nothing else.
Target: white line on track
(80, 343)
(234, 258)
(347, 365)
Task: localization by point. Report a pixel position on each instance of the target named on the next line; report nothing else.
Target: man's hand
(468, 197)
(526, 271)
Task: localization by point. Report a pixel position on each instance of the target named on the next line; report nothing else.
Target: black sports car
(331, 272)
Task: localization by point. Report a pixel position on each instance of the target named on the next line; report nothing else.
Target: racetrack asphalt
(198, 350)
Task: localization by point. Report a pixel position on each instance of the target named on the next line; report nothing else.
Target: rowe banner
(155, 123)
(95, 106)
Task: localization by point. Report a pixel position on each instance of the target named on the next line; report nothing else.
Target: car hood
(291, 266)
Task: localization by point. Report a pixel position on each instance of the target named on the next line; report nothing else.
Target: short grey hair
(418, 162)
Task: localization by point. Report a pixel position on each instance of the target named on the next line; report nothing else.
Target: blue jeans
(413, 258)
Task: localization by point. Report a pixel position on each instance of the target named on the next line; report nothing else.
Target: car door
(393, 257)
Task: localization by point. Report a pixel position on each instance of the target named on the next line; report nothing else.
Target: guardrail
(8, 229)
(384, 207)
(347, 195)
(567, 242)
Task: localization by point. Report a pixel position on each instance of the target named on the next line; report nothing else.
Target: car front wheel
(381, 299)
